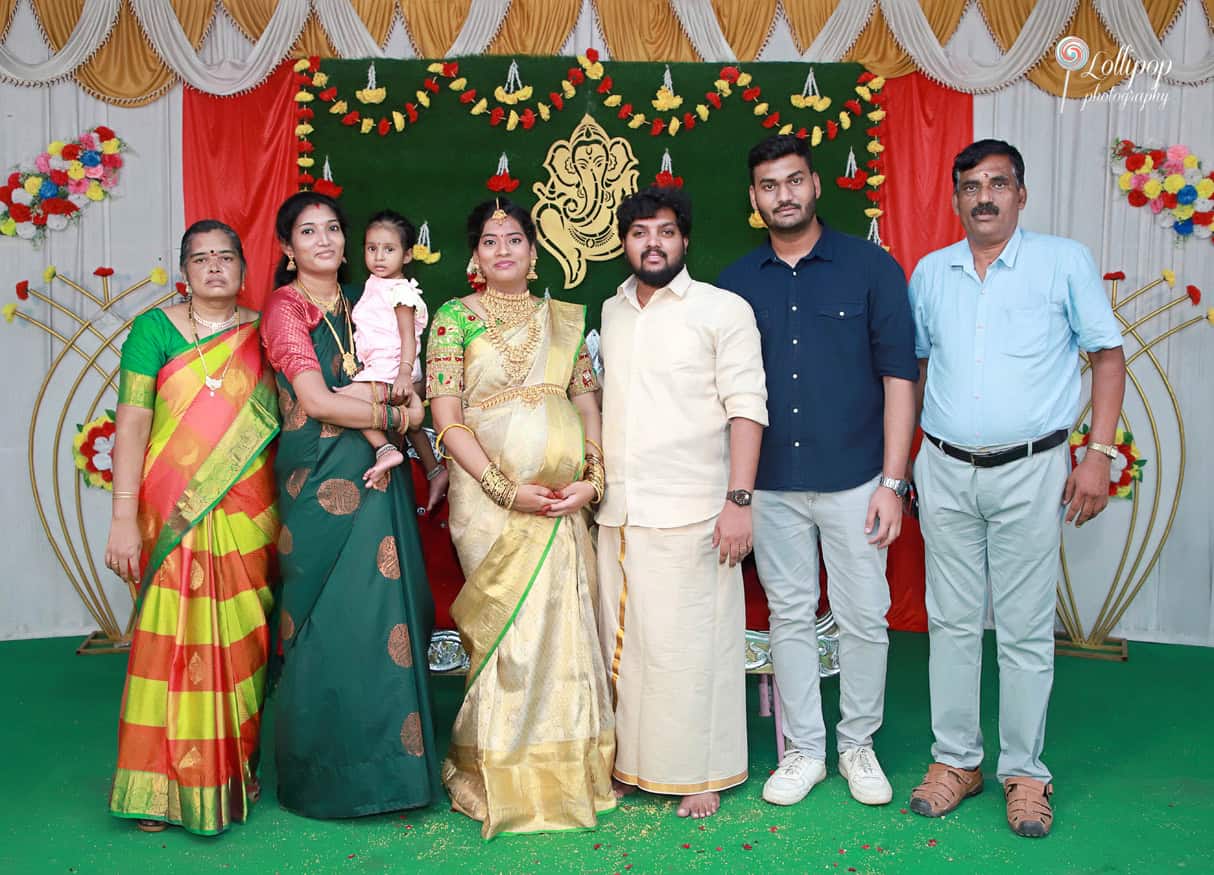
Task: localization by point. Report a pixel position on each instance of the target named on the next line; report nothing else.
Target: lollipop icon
(1071, 53)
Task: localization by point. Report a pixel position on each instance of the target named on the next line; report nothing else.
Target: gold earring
(531, 274)
(290, 262)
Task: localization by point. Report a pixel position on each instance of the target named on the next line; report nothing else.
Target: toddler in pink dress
(389, 320)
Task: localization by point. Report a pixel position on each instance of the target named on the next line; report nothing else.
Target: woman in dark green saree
(354, 731)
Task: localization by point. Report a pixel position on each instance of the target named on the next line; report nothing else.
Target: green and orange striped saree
(191, 710)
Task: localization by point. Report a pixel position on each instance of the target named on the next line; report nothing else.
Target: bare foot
(700, 805)
(384, 463)
(621, 789)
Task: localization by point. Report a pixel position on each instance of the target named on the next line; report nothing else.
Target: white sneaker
(794, 778)
(865, 779)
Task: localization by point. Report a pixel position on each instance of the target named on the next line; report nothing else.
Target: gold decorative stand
(1131, 575)
(95, 345)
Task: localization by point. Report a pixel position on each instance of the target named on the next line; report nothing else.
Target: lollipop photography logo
(1073, 55)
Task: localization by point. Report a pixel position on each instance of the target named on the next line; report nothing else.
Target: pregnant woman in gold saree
(513, 392)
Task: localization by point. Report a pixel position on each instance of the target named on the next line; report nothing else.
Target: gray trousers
(787, 529)
(1003, 525)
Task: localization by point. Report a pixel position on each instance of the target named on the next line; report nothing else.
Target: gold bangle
(592, 443)
(118, 494)
(438, 442)
(596, 475)
(500, 488)
(374, 413)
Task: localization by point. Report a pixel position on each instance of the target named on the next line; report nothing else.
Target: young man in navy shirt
(839, 354)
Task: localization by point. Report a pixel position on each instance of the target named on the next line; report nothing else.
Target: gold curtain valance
(126, 69)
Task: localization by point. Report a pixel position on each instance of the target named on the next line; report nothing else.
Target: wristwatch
(1104, 449)
(898, 487)
(740, 497)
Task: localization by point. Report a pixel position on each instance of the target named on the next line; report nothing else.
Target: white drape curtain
(96, 20)
(1071, 193)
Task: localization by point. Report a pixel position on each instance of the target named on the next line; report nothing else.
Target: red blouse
(287, 320)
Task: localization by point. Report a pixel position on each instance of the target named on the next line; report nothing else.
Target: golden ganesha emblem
(588, 175)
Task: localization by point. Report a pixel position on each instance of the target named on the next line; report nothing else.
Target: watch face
(739, 497)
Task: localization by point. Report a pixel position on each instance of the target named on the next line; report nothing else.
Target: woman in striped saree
(194, 524)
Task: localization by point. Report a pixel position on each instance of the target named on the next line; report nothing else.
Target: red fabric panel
(927, 126)
(237, 157)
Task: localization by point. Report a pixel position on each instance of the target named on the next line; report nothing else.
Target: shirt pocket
(1022, 330)
(843, 312)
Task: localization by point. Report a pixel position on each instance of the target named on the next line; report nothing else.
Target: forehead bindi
(504, 229)
(316, 216)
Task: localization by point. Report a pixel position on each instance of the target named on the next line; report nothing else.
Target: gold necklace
(507, 310)
(511, 311)
(212, 383)
(348, 363)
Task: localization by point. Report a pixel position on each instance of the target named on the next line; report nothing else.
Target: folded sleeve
(445, 352)
(741, 382)
(891, 328)
(144, 353)
(583, 379)
(286, 334)
(1087, 306)
(918, 294)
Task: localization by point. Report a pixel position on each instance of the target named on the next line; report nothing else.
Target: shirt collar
(679, 286)
(963, 256)
(824, 248)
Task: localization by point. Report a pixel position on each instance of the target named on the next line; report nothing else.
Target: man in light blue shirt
(1000, 318)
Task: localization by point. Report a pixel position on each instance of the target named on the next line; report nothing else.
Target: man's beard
(797, 222)
(658, 278)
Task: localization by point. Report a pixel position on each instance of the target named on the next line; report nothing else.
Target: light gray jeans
(1003, 524)
(788, 527)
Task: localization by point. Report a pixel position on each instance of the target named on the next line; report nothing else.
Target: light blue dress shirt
(1003, 354)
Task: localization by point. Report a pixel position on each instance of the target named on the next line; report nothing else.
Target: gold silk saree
(533, 743)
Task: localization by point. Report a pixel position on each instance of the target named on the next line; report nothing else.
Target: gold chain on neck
(348, 362)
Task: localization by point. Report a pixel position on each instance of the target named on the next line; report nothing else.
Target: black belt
(994, 460)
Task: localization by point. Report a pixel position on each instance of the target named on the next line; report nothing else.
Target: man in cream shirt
(684, 406)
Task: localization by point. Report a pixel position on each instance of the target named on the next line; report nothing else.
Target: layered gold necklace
(506, 312)
(349, 364)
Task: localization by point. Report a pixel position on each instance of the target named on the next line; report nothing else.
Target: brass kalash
(86, 361)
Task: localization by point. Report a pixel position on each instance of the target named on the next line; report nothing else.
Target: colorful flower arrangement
(92, 449)
(61, 181)
(1124, 471)
(1171, 182)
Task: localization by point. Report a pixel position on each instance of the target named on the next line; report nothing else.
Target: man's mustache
(984, 209)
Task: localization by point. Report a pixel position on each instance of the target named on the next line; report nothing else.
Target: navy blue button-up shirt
(832, 327)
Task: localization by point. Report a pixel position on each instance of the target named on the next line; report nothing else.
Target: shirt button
(840, 314)
(794, 376)
(978, 361)
(976, 395)
(980, 325)
(794, 307)
(794, 273)
(796, 443)
(794, 341)
(796, 410)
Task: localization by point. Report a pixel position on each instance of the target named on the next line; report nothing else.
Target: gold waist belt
(529, 395)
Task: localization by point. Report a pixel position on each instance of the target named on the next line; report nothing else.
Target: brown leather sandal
(148, 825)
(1028, 806)
(944, 788)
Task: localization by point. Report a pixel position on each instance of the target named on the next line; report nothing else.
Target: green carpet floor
(1128, 743)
